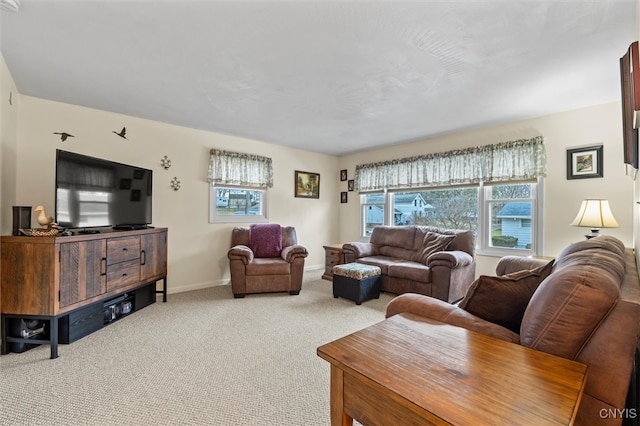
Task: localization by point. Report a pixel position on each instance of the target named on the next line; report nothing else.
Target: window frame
(483, 243)
(363, 210)
(237, 218)
(483, 233)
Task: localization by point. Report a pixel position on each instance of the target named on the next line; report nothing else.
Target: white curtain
(507, 161)
(236, 168)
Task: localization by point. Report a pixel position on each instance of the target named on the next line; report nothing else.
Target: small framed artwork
(343, 197)
(350, 184)
(343, 175)
(307, 185)
(585, 162)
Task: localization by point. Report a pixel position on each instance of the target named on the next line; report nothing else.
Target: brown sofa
(419, 259)
(252, 272)
(577, 312)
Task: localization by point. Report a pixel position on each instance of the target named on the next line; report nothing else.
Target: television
(96, 193)
(630, 85)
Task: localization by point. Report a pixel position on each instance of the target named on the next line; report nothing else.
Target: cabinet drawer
(122, 274)
(122, 249)
(334, 257)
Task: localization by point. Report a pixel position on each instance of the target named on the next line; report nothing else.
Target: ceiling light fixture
(10, 5)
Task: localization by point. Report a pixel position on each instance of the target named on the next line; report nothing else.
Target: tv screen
(92, 192)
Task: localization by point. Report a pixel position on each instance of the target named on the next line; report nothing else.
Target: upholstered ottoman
(356, 281)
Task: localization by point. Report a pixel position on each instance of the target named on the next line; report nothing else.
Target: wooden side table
(333, 256)
(412, 370)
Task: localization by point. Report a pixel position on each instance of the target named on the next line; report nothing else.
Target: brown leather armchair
(265, 258)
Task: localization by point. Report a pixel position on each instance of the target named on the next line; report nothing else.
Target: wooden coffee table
(411, 371)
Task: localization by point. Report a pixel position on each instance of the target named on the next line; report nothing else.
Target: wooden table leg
(338, 416)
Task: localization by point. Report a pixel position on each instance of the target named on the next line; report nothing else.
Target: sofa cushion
(397, 252)
(504, 299)
(572, 302)
(266, 239)
(396, 236)
(268, 266)
(381, 262)
(411, 271)
(431, 243)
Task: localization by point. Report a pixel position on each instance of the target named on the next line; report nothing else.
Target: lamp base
(594, 233)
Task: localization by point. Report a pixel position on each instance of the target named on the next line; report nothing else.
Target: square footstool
(356, 281)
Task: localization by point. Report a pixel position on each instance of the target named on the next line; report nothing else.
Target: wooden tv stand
(68, 281)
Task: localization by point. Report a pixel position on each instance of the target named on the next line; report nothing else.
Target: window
(238, 190)
(454, 208)
(510, 212)
(503, 217)
(373, 212)
(237, 204)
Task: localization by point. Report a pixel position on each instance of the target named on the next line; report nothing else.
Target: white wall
(601, 124)
(9, 104)
(197, 249)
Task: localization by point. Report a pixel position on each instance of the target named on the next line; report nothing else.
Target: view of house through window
(235, 203)
(510, 209)
(502, 216)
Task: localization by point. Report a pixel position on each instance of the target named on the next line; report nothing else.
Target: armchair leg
(238, 295)
(294, 293)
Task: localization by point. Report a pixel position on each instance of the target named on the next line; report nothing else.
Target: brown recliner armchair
(265, 258)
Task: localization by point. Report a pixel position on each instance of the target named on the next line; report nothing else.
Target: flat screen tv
(92, 192)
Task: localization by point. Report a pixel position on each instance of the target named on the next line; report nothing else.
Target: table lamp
(595, 214)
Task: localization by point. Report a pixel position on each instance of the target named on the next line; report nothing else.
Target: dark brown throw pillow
(432, 243)
(503, 300)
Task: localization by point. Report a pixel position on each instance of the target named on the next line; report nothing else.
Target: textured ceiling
(326, 76)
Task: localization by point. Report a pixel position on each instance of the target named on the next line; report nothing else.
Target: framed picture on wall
(307, 185)
(343, 197)
(586, 162)
(343, 175)
(350, 184)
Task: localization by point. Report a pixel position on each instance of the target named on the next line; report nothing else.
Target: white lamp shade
(595, 214)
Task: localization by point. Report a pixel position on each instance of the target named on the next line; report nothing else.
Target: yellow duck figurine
(43, 220)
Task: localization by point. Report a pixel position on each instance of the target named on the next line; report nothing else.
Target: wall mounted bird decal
(122, 132)
(63, 135)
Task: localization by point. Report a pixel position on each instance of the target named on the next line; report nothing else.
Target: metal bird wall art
(122, 133)
(63, 135)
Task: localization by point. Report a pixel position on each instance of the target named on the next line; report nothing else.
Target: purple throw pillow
(265, 240)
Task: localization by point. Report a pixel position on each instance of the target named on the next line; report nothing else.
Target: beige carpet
(202, 358)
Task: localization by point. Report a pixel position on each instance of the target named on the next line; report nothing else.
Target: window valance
(522, 159)
(236, 168)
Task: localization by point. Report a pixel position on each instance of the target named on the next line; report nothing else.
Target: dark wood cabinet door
(153, 256)
(82, 271)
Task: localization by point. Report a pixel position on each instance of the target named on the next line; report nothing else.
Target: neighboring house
(515, 221)
(411, 204)
(405, 207)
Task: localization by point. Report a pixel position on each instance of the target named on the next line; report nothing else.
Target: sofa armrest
(240, 252)
(451, 259)
(510, 264)
(291, 253)
(357, 249)
(442, 311)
